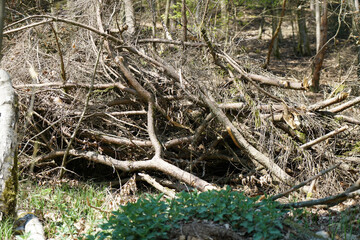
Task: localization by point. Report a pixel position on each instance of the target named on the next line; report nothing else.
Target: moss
(301, 136)
(10, 191)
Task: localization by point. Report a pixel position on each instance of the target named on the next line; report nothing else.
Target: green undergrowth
(74, 210)
(153, 218)
(62, 208)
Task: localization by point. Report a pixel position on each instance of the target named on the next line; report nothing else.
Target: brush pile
(190, 112)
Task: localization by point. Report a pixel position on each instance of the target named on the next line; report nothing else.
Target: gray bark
(8, 160)
(275, 22)
(129, 16)
(2, 17)
(303, 47)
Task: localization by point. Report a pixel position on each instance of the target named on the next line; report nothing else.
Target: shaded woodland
(189, 94)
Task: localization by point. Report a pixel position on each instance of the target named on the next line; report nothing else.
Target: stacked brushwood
(187, 110)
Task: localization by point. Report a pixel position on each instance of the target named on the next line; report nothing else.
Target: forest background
(183, 95)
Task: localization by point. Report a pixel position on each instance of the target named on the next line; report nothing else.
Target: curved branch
(57, 19)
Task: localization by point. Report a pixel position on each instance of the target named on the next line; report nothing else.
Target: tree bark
(303, 47)
(184, 20)
(274, 43)
(8, 157)
(2, 17)
(319, 58)
(318, 24)
(130, 16)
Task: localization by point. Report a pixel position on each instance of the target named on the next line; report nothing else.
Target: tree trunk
(224, 17)
(303, 47)
(184, 20)
(312, 5)
(274, 22)
(172, 22)
(318, 23)
(129, 16)
(152, 5)
(276, 27)
(319, 58)
(356, 3)
(2, 17)
(8, 158)
(166, 15)
(261, 27)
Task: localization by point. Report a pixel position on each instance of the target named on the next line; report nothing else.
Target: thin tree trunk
(204, 14)
(318, 24)
(8, 146)
(129, 16)
(261, 27)
(172, 22)
(166, 15)
(303, 47)
(356, 3)
(2, 17)
(358, 66)
(223, 6)
(312, 5)
(273, 47)
(319, 58)
(184, 20)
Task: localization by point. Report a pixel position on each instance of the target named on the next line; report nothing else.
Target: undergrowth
(66, 214)
(153, 218)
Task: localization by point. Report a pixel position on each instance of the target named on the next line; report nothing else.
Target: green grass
(6, 229)
(63, 209)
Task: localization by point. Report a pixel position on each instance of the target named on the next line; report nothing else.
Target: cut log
(8, 158)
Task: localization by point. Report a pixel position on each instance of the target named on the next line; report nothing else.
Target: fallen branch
(303, 183)
(57, 19)
(323, 138)
(328, 201)
(323, 104)
(241, 142)
(345, 106)
(155, 184)
(174, 42)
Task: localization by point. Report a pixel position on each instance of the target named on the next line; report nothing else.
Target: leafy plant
(152, 218)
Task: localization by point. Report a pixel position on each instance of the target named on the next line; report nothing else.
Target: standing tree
(276, 27)
(318, 23)
(319, 58)
(8, 158)
(129, 16)
(303, 46)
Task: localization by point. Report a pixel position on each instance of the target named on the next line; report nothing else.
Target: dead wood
(323, 138)
(241, 142)
(345, 106)
(174, 42)
(57, 19)
(323, 104)
(181, 127)
(157, 160)
(303, 183)
(330, 201)
(276, 82)
(134, 166)
(155, 184)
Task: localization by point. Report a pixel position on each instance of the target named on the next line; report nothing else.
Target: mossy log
(8, 150)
